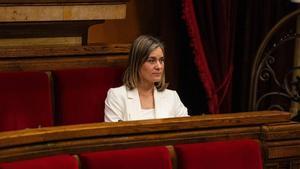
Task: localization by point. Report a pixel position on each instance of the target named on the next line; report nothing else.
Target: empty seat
(137, 158)
(51, 162)
(80, 93)
(25, 100)
(239, 154)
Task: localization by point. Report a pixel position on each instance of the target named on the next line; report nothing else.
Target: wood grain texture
(57, 51)
(283, 141)
(279, 150)
(105, 136)
(46, 29)
(290, 130)
(62, 57)
(51, 2)
(61, 12)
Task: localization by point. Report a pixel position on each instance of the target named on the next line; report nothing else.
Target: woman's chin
(156, 80)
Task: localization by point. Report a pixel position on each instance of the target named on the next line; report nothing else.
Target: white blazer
(124, 104)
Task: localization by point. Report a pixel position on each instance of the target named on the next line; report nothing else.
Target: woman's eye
(154, 61)
(151, 60)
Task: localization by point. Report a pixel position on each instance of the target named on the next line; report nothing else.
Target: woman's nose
(158, 65)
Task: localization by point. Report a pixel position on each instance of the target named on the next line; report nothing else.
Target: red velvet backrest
(50, 162)
(80, 93)
(239, 154)
(137, 158)
(25, 100)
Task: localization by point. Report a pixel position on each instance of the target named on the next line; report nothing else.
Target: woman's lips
(156, 74)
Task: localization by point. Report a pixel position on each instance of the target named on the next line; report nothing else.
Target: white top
(145, 114)
(122, 104)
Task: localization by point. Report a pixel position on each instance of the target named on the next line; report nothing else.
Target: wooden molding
(56, 18)
(78, 12)
(43, 58)
(45, 2)
(279, 151)
(74, 139)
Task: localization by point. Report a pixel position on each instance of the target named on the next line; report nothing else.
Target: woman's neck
(146, 94)
(145, 89)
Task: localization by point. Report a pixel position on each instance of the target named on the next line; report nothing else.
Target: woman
(144, 94)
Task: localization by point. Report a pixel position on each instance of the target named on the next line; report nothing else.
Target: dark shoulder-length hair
(139, 52)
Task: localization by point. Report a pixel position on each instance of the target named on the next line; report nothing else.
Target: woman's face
(152, 69)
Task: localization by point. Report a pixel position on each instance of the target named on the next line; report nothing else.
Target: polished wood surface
(30, 136)
(20, 2)
(73, 139)
(47, 51)
(62, 57)
(56, 18)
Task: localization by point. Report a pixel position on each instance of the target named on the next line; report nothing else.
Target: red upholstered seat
(80, 93)
(138, 158)
(25, 100)
(50, 162)
(240, 154)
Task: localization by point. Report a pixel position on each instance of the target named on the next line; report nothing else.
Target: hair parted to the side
(139, 52)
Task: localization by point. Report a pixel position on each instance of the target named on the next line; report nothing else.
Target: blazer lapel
(159, 104)
(133, 103)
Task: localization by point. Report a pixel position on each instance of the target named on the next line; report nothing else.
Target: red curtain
(210, 26)
(200, 57)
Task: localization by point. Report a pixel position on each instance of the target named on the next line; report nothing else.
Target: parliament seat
(80, 93)
(134, 158)
(61, 97)
(50, 162)
(235, 154)
(25, 100)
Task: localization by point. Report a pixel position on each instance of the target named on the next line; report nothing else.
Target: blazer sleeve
(181, 110)
(113, 107)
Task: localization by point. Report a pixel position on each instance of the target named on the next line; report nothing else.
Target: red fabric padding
(25, 100)
(80, 93)
(137, 158)
(52, 162)
(239, 154)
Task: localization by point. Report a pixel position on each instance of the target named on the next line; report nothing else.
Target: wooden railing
(279, 136)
